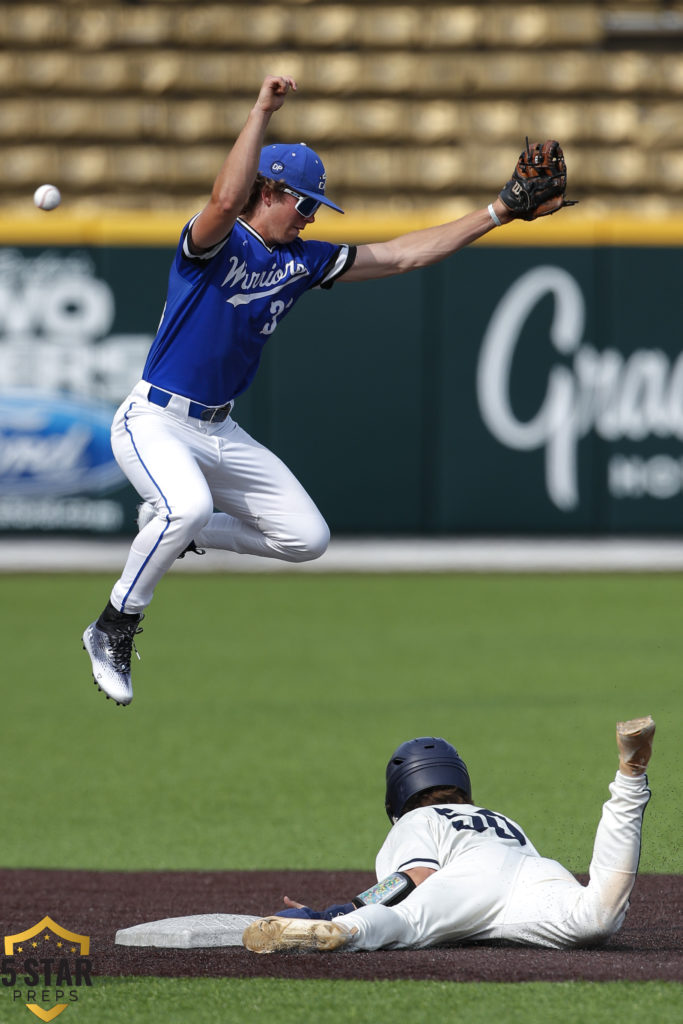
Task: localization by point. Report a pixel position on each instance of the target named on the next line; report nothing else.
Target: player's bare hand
(273, 92)
(292, 904)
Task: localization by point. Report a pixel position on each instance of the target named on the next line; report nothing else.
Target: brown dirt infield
(94, 903)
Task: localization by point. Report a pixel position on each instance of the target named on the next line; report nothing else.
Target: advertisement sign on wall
(64, 367)
(502, 391)
(571, 395)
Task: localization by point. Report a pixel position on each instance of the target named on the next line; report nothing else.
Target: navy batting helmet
(422, 764)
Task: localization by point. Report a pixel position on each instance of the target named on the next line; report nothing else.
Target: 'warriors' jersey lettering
(272, 281)
(223, 304)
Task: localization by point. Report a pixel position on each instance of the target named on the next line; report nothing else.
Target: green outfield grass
(265, 710)
(270, 1001)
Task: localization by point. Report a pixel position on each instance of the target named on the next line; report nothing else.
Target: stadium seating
(415, 104)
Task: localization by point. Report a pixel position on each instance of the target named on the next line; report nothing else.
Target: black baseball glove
(538, 182)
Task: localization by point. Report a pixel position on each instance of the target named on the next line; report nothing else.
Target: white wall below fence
(372, 554)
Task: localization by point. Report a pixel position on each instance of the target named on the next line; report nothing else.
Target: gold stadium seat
(234, 74)
(509, 26)
(236, 25)
(126, 118)
(455, 26)
(574, 24)
(630, 72)
(432, 120)
(519, 27)
(53, 118)
(561, 72)
(82, 167)
(194, 167)
(671, 170)
(141, 165)
(18, 120)
(362, 167)
(323, 74)
(319, 120)
(158, 73)
(375, 73)
(74, 119)
(370, 120)
(615, 120)
(125, 72)
(375, 120)
(333, 26)
(254, 27)
(195, 120)
(94, 27)
(492, 119)
(145, 25)
(395, 26)
(89, 73)
(671, 75)
(45, 70)
(508, 122)
(101, 167)
(453, 75)
(550, 24)
(33, 24)
(440, 169)
(660, 124)
(100, 26)
(446, 167)
(628, 166)
(26, 166)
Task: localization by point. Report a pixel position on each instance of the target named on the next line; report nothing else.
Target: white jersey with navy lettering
(488, 881)
(436, 836)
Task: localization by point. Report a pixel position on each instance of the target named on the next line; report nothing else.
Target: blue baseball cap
(298, 166)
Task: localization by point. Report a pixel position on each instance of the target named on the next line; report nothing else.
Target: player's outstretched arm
(389, 891)
(234, 180)
(422, 248)
(536, 189)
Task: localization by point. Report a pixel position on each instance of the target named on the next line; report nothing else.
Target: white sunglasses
(305, 205)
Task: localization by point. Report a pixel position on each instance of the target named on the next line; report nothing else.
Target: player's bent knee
(191, 518)
(312, 541)
(318, 540)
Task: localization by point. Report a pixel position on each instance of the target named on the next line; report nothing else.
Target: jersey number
(482, 820)
(276, 310)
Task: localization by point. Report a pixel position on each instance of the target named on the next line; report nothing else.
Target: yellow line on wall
(162, 229)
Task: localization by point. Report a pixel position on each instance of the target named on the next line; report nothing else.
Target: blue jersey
(224, 304)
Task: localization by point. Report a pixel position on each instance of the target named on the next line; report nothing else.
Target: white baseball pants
(538, 904)
(187, 468)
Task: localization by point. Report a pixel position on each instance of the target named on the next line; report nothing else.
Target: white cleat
(634, 740)
(283, 934)
(110, 653)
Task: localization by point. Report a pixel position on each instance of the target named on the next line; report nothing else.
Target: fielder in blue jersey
(240, 266)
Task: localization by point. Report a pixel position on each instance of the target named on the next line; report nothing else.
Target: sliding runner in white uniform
(451, 870)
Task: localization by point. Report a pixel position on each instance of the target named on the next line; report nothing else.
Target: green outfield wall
(531, 384)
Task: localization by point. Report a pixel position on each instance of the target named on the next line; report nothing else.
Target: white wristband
(494, 216)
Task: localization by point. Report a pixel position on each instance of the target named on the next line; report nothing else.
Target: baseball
(47, 197)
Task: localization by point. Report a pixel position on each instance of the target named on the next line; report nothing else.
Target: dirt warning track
(649, 946)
